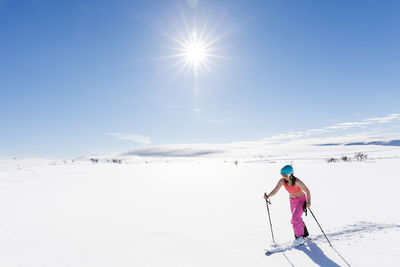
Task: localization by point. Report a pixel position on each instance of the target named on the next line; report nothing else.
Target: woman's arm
(303, 187)
(276, 189)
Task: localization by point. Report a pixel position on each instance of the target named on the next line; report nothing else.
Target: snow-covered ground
(198, 209)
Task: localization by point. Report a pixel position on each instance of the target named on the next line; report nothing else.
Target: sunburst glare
(195, 48)
(195, 51)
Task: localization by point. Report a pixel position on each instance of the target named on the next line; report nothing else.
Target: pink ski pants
(296, 206)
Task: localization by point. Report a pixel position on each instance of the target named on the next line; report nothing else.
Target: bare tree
(346, 159)
(360, 156)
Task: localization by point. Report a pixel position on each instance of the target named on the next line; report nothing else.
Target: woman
(298, 201)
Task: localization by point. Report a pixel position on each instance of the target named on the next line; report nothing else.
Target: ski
(276, 248)
(272, 250)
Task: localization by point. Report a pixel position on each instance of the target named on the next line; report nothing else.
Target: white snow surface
(198, 210)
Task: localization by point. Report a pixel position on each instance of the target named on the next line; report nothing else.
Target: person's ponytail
(293, 179)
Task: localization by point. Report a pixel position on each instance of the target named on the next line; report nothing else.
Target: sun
(195, 48)
(195, 52)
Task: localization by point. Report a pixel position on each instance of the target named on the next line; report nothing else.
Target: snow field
(194, 214)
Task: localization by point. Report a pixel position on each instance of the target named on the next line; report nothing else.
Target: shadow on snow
(317, 255)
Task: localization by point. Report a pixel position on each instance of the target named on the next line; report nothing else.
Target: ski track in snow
(359, 230)
(349, 232)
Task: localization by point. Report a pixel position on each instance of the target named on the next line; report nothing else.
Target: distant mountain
(376, 143)
(171, 152)
(390, 143)
(329, 144)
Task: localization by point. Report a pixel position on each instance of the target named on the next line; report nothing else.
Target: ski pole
(269, 217)
(320, 227)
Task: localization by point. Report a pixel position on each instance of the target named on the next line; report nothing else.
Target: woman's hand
(265, 196)
(308, 205)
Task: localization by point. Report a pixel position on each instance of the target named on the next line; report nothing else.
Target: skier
(298, 201)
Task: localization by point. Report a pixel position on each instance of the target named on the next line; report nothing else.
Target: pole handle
(267, 199)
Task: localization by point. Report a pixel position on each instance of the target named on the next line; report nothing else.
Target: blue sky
(78, 77)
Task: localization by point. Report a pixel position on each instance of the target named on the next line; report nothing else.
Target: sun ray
(183, 67)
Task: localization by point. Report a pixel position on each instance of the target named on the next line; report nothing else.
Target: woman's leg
(296, 206)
